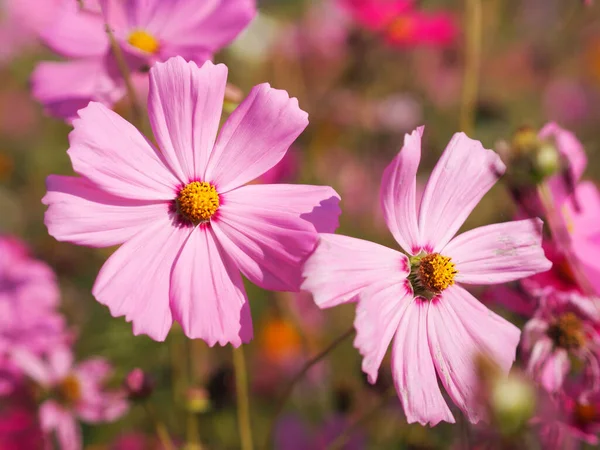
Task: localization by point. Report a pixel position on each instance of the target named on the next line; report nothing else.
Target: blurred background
(363, 89)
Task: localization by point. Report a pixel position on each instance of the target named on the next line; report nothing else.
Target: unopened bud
(138, 385)
(197, 400)
(512, 403)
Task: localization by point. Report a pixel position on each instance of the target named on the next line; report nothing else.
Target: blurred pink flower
(401, 24)
(566, 419)
(147, 31)
(22, 22)
(187, 223)
(29, 297)
(565, 327)
(285, 170)
(75, 391)
(439, 326)
(575, 227)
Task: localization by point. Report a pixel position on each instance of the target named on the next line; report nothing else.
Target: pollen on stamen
(436, 272)
(143, 41)
(198, 202)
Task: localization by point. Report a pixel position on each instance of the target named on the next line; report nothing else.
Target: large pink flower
(75, 391)
(439, 327)
(146, 30)
(187, 223)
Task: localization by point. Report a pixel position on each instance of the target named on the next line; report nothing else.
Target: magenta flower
(439, 327)
(74, 391)
(147, 31)
(401, 24)
(187, 223)
(565, 327)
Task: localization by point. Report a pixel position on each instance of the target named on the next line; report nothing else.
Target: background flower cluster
(521, 77)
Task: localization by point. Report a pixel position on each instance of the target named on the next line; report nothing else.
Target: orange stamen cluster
(567, 332)
(198, 201)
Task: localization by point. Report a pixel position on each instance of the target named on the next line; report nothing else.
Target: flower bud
(138, 385)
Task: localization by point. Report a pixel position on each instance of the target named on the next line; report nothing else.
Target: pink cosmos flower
(19, 424)
(187, 223)
(575, 226)
(28, 300)
(439, 327)
(401, 24)
(75, 392)
(146, 30)
(567, 419)
(565, 327)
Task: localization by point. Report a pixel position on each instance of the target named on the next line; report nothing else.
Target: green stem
(473, 36)
(161, 429)
(136, 109)
(292, 384)
(243, 402)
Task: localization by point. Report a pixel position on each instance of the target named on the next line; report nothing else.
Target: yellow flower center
(69, 390)
(430, 274)
(567, 332)
(198, 201)
(143, 41)
(436, 272)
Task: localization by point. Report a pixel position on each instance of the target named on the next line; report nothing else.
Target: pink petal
(81, 213)
(197, 31)
(185, 105)
(32, 366)
(413, 369)
(459, 329)
(462, 176)
(76, 33)
(63, 88)
(499, 253)
(60, 360)
(378, 313)
(134, 281)
(540, 351)
(341, 267)
(207, 296)
(269, 230)
(255, 137)
(94, 369)
(68, 433)
(113, 154)
(50, 415)
(554, 370)
(398, 191)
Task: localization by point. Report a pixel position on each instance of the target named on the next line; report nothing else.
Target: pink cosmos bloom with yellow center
(147, 31)
(74, 391)
(439, 327)
(187, 223)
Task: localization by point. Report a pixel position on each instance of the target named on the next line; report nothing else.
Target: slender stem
(290, 386)
(346, 433)
(243, 403)
(161, 429)
(472, 65)
(192, 430)
(136, 109)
